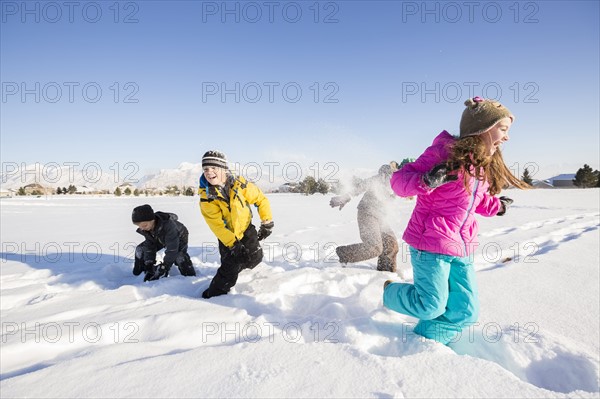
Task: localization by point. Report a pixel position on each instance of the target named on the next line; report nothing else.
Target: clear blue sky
(371, 61)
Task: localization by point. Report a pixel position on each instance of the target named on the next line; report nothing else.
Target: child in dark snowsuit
(225, 202)
(378, 239)
(160, 230)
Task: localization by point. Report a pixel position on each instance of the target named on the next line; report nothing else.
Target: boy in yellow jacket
(225, 204)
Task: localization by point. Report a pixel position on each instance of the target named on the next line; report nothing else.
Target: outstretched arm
(408, 181)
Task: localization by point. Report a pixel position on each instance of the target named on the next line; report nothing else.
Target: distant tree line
(66, 190)
(585, 177)
(169, 190)
(310, 186)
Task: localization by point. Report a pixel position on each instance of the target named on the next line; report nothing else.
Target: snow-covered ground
(77, 323)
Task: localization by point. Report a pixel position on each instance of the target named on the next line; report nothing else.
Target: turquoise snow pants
(443, 296)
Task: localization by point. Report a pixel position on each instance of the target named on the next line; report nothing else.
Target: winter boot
(342, 255)
(387, 260)
(184, 264)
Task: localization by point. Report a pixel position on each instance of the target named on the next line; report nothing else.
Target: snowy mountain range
(187, 174)
(92, 177)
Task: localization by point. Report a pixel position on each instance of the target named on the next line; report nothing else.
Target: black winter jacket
(168, 233)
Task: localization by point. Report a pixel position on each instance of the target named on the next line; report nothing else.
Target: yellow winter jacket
(228, 220)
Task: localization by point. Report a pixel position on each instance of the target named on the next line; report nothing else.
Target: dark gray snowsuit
(170, 234)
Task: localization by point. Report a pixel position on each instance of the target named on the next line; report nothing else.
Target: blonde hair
(470, 155)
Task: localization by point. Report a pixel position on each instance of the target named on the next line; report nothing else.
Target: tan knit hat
(480, 115)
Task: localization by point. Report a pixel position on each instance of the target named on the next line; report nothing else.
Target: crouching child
(160, 230)
(225, 202)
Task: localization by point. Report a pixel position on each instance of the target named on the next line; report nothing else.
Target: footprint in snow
(532, 357)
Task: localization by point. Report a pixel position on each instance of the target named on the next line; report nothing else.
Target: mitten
(239, 250)
(505, 201)
(156, 272)
(440, 174)
(340, 200)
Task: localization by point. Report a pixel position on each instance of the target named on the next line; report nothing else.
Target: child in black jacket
(160, 230)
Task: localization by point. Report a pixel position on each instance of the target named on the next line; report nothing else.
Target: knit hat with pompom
(480, 115)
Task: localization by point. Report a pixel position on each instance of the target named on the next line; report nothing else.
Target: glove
(239, 250)
(339, 200)
(438, 175)
(155, 272)
(505, 203)
(206, 294)
(265, 230)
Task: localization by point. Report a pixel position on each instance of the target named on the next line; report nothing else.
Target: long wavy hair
(469, 154)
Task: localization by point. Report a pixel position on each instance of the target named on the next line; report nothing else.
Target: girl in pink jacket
(453, 179)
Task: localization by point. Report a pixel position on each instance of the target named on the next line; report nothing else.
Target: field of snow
(77, 323)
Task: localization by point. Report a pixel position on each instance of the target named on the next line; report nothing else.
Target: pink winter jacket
(443, 220)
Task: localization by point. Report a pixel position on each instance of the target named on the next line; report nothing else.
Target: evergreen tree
(72, 189)
(64, 190)
(21, 191)
(189, 192)
(127, 191)
(58, 191)
(322, 186)
(118, 192)
(585, 177)
(597, 176)
(136, 192)
(308, 185)
(172, 190)
(527, 177)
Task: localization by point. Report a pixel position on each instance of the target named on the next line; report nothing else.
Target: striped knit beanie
(214, 158)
